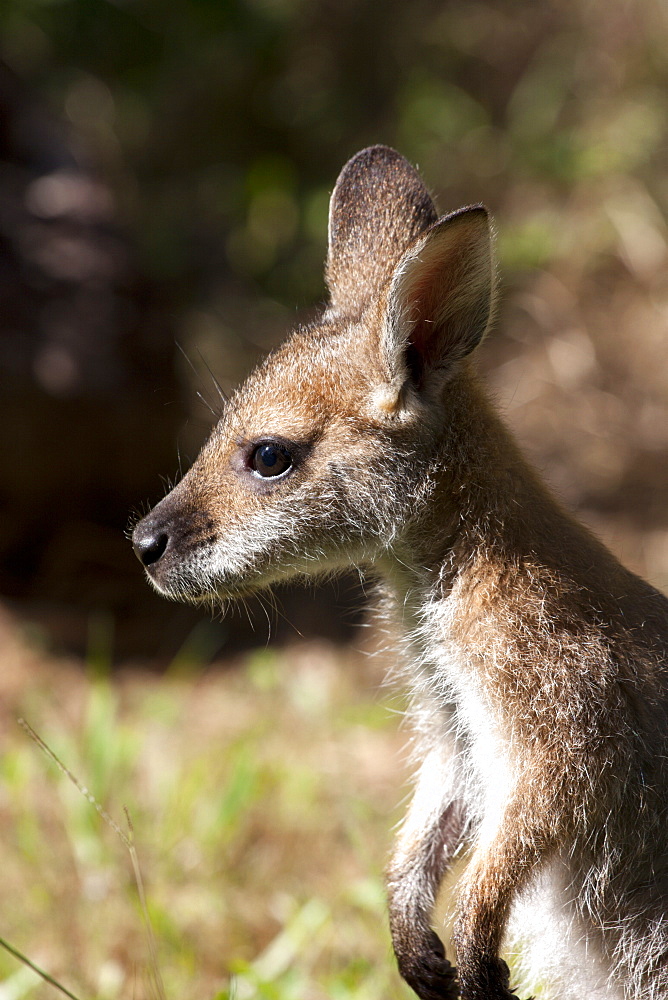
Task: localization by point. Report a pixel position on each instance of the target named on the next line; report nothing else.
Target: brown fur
(537, 662)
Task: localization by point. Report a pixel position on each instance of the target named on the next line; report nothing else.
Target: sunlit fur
(536, 662)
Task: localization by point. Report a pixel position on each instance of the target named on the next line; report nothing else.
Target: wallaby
(537, 663)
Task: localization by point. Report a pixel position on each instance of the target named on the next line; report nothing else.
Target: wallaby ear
(439, 300)
(379, 206)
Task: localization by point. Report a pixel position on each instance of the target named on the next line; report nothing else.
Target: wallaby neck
(487, 510)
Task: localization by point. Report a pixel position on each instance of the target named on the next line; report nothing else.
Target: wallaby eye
(270, 459)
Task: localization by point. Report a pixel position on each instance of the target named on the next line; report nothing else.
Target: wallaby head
(321, 458)
(537, 663)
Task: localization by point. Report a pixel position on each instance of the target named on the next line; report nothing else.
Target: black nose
(149, 543)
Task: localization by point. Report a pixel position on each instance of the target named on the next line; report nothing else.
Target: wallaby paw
(429, 973)
(488, 980)
(508, 994)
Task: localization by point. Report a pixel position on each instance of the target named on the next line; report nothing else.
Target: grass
(262, 797)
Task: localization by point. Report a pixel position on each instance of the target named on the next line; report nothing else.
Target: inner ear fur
(379, 206)
(439, 299)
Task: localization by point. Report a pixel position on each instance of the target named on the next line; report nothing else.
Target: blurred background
(164, 179)
(165, 170)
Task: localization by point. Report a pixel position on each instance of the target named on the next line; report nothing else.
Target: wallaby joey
(537, 663)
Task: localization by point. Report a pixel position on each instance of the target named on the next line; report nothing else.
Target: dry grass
(262, 801)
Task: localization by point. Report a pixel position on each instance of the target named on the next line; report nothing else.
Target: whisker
(265, 604)
(201, 380)
(224, 398)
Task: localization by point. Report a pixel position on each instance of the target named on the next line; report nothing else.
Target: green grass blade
(35, 968)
